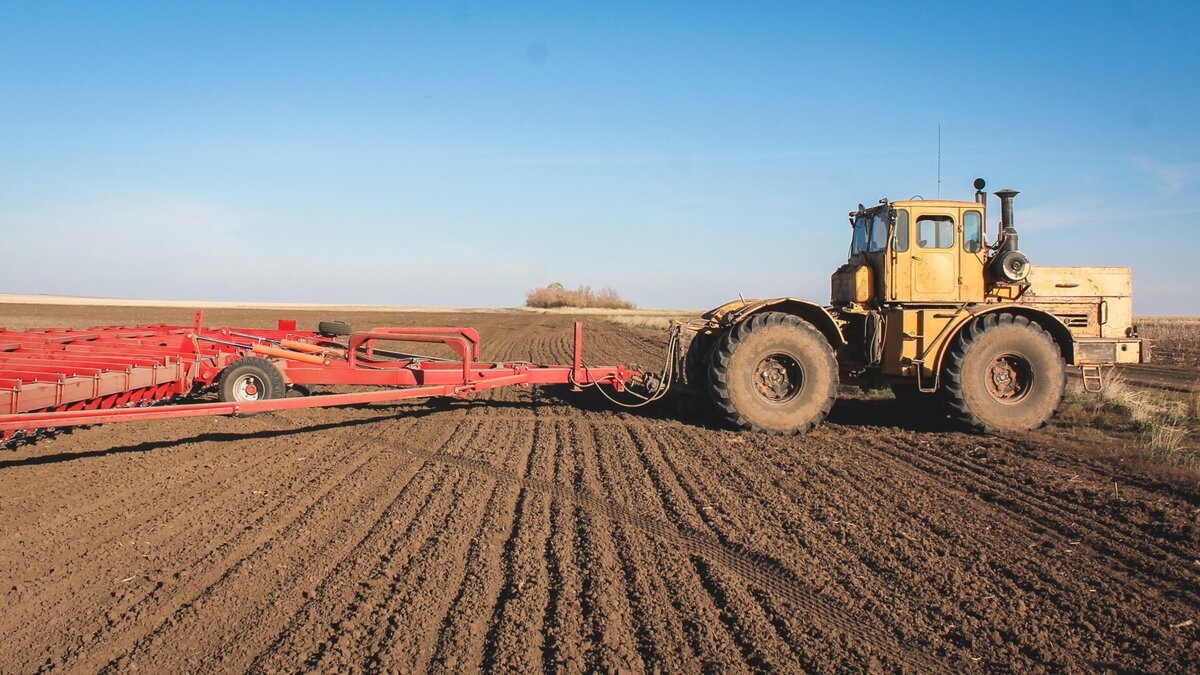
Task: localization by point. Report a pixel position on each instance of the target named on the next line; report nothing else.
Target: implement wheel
(1004, 373)
(773, 373)
(251, 379)
(332, 329)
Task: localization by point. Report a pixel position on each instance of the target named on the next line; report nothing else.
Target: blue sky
(462, 153)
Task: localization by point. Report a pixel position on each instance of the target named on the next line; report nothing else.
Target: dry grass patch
(1166, 424)
(1174, 341)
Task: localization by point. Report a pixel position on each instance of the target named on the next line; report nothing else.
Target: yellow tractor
(923, 305)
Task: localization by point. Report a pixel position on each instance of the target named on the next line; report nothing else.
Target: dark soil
(543, 530)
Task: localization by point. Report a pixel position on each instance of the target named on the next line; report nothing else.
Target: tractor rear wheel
(696, 359)
(251, 379)
(1004, 373)
(773, 373)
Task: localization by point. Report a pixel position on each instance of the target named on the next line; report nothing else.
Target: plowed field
(542, 530)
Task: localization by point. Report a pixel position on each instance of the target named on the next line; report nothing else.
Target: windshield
(870, 233)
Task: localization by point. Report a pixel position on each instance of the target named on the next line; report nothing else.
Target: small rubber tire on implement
(773, 373)
(1003, 373)
(333, 329)
(251, 379)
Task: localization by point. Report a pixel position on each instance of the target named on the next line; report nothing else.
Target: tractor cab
(915, 251)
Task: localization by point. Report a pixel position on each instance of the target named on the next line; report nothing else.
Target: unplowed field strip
(540, 530)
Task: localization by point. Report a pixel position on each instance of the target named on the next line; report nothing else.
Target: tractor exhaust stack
(1009, 265)
(1008, 232)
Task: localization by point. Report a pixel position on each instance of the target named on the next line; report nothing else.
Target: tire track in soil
(898, 559)
(980, 557)
(1055, 517)
(1059, 585)
(665, 639)
(440, 566)
(790, 538)
(915, 531)
(797, 534)
(758, 570)
(235, 583)
(343, 643)
(457, 639)
(671, 478)
(684, 507)
(1053, 587)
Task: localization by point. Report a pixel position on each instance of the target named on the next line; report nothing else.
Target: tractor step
(1093, 378)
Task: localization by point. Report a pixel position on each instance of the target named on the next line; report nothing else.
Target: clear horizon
(460, 155)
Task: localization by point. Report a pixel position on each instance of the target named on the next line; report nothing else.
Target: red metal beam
(79, 417)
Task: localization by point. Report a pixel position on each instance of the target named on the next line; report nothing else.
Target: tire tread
(719, 374)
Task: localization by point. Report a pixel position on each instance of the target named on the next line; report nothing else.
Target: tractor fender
(736, 311)
(1053, 325)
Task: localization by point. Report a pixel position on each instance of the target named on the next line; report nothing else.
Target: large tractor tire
(251, 379)
(696, 360)
(773, 373)
(695, 399)
(1004, 373)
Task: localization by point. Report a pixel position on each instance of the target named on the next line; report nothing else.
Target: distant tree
(556, 295)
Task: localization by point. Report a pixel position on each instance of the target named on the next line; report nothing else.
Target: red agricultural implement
(54, 378)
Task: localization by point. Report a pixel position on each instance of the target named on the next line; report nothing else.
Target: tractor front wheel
(1004, 373)
(773, 373)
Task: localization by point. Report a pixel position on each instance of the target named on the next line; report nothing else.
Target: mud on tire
(774, 373)
(1004, 373)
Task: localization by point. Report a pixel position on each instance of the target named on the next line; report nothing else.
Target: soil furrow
(276, 562)
(466, 636)
(430, 579)
(540, 529)
(1139, 557)
(152, 590)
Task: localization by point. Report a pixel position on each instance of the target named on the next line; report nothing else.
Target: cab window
(900, 242)
(935, 232)
(858, 243)
(879, 231)
(972, 232)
